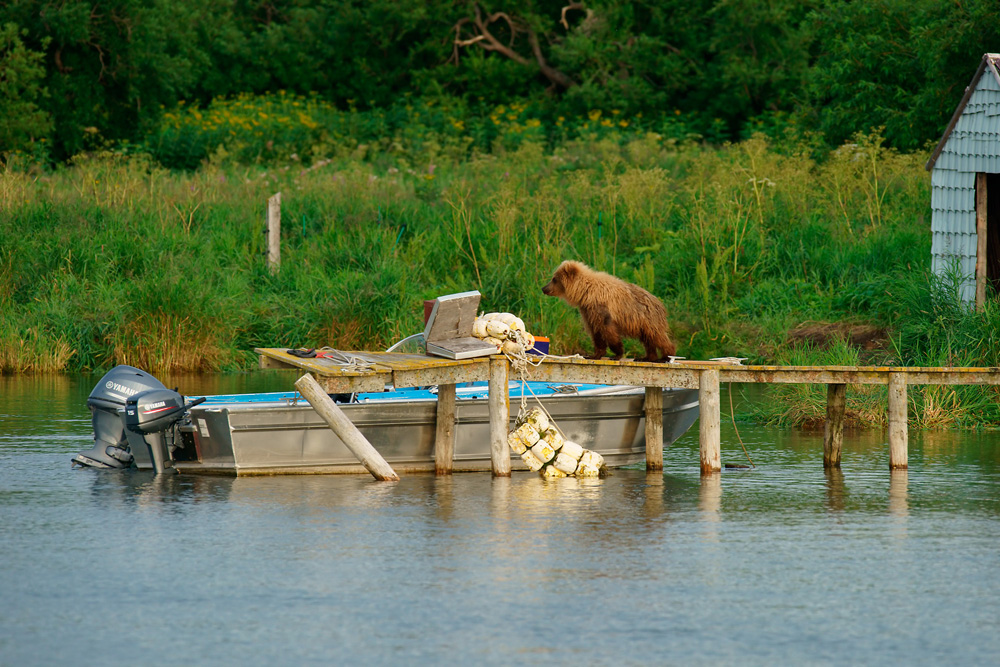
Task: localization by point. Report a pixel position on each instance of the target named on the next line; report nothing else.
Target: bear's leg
(658, 342)
(615, 343)
(649, 346)
(600, 346)
(650, 353)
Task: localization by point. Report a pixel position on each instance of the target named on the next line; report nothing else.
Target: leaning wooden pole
(709, 426)
(345, 430)
(499, 400)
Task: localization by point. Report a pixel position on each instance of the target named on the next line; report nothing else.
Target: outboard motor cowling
(148, 416)
(106, 401)
(153, 410)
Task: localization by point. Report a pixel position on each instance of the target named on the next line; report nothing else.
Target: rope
(520, 362)
(350, 361)
(732, 416)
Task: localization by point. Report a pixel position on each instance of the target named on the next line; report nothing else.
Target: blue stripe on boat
(472, 390)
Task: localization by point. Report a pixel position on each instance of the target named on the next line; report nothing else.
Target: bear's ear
(569, 269)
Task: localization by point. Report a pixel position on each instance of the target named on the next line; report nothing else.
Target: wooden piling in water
(444, 435)
(499, 400)
(898, 438)
(709, 421)
(654, 428)
(833, 430)
(345, 429)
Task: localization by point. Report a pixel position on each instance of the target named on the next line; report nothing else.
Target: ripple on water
(784, 563)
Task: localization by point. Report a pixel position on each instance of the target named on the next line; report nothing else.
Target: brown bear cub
(613, 309)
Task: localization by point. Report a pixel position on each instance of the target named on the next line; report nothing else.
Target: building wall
(973, 146)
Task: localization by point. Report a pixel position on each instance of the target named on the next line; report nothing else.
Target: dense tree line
(76, 69)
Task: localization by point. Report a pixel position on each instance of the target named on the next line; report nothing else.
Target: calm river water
(782, 564)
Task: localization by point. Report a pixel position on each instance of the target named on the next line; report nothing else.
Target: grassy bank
(772, 253)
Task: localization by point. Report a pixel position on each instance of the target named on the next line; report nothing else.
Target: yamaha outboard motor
(148, 416)
(105, 402)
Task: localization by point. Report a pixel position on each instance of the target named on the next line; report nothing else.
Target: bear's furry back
(633, 309)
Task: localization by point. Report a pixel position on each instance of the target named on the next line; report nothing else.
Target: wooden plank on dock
(685, 374)
(857, 375)
(606, 371)
(438, 370)
(334, 378)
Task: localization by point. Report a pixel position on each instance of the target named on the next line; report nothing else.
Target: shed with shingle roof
(965, 187)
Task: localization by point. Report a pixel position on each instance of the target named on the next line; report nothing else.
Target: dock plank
(372, 371)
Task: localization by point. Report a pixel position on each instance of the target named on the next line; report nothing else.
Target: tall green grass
(115, 259)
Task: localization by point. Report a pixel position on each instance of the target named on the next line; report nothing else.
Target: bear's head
(563, 279)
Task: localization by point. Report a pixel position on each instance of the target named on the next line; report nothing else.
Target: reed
(121, 260)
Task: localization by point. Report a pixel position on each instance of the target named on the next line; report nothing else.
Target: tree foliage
(22, 121)
(112, 67)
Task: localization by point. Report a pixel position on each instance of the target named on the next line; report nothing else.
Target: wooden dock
(372, 371)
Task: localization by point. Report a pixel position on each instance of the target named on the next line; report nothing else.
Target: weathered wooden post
(709, 421)
(897, 421)
(274, 233)
(654, 428)
(499, 416)
(345, 429)
(444, 436)
(833, 430)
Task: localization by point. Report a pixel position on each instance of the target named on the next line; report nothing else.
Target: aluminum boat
(280, 433)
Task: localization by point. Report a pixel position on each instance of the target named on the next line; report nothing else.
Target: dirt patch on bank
(824, 334)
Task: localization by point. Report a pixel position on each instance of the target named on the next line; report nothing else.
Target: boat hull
(245, 438)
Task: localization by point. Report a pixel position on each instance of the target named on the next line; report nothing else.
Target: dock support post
(499, 416)
(340, 424)
(654, 428)
(444, 435)
(897, 421)
(274, 233)
(833, 430)
(708, 421)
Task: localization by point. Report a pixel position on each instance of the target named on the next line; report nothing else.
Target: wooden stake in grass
(274, 233)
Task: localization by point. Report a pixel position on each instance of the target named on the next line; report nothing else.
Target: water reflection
(709, 503)
(836, 493)
(899, 482)
(138, 489)
(654, 503)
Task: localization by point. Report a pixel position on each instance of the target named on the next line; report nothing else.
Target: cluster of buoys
(504, 330)
(545, 451)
